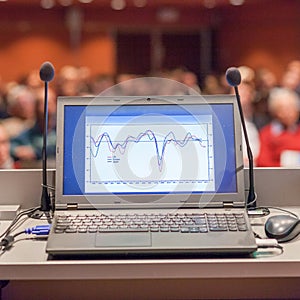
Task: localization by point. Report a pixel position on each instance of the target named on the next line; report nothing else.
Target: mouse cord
(282, 210)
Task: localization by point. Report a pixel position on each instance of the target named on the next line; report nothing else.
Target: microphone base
(40, 214)
(45, 210)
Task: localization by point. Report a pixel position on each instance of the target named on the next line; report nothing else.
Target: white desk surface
(269, 276)
(27, 260)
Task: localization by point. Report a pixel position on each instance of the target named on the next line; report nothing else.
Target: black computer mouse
(283, 228)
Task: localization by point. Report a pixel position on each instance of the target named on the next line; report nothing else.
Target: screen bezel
(171, 200)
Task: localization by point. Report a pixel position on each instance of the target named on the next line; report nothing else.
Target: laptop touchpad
(123, 239)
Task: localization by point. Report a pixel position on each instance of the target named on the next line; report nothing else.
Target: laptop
(149, 176)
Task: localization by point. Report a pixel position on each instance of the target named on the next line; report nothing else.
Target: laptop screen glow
(149, 149)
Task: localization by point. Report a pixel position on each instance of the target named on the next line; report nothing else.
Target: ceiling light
(118, 4)
(209, 3)
(66, 2)
(47, 4)
(140, 3)
(168, 15)
(237, 2)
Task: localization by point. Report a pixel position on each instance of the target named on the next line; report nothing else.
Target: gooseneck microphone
(46, 75)
(233, 77)
(46, 72)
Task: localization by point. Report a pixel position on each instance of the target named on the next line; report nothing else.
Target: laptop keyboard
(184, 223)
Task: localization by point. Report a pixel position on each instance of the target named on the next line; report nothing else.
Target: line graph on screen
(145, 155)
(144, 137)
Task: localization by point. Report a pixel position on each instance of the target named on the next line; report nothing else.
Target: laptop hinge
(228, 204)
(72, 206)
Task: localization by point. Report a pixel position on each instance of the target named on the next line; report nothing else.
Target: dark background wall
(263, 33)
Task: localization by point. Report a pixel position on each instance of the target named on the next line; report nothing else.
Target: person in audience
(247, 74)
(67, 81)
(3, 102)
(282, 136)
(27, 147)
(190, 79)
(265, 80)
(6, 161)
(100, 83)
(212, 85)
(21, 110)
(291, 76)
(73, 81)
(247, 94)
(33, 80)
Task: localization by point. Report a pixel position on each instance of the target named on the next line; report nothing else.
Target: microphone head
(46, 71)
(233, 76)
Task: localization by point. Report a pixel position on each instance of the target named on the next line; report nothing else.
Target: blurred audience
(32, 80)
(100, 83)
(20, 108)
(247, 95)
(3, 102)
(27, 146)
(213, 84)
(6, 161)
(265, 80)
(282, 136)
(291, 76)
(73, 81)
(272, 124)
(190, 79)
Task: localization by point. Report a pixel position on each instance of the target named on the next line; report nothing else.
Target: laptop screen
(130, 146)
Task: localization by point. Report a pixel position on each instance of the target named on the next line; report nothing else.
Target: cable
(280, 209)
(39, 230)
(284, 210)
(17, 218)
(253, 202)
(262, 211)
(3, 284)
(8, 239)
(258, 212)
(268, 243)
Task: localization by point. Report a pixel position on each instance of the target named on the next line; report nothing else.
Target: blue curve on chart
(121, 146)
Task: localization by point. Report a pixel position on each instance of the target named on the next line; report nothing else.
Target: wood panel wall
(266, 34)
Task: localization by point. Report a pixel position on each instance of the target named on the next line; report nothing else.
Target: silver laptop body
(174, 160)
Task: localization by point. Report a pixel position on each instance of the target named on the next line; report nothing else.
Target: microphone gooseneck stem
(251, 194)
(45, 201)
